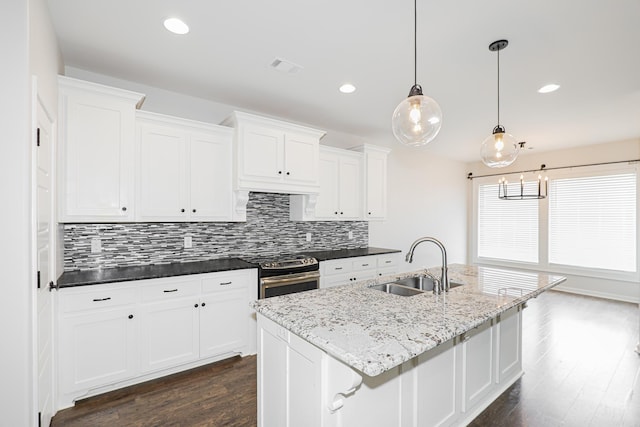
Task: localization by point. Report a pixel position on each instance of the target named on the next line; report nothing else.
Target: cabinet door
(350, 188)
(327, 204)
(162, 173)
(210, 177)
(477, 365)
(169, 333)
(376, 186)
(97, 348)
(301, 155)
(224, 323)
(96, 139)
(509, 344)
(261, 154)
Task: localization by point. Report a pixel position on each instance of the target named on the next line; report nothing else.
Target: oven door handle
(271, 282)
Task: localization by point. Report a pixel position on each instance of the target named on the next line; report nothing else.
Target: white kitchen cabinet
(477, 364)
(183, 170)
(119, 334)
(509, 344)
(340, 196)
(274, 156)
(169, 323)
(97, 339)
(350, 270)
(375, 181)
(96, 146)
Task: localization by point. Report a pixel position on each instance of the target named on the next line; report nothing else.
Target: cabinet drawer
(100, 296)
(338, 266)
(364, 263)
(170, 288)
(226, 281)
(389, 260)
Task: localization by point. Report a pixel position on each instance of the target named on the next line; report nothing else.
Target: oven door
(288, 284)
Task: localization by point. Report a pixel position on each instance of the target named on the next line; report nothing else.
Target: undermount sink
(396, 289)
(410, 286)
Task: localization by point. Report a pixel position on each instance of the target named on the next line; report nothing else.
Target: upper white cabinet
(183, 170)
(375, 181)
(340, 196)
(96, 146)
(274, 156)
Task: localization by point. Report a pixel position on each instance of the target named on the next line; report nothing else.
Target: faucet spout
(444, 276)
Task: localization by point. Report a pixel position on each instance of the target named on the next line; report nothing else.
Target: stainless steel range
(281, 275)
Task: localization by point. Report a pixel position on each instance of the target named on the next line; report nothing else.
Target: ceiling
(590, 47)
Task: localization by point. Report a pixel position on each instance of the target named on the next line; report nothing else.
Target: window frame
(543, 263)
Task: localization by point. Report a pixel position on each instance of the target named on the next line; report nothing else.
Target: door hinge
(38, 137)
(38, 279)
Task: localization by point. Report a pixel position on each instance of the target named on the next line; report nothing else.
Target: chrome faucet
(443, 286)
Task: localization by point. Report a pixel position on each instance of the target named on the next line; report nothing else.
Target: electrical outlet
(96, 246)
(350, 235)
(308, 237)
(188, 242)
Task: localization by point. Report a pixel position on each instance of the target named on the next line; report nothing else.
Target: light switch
(96, 245)
(308, 237)
(188, 242)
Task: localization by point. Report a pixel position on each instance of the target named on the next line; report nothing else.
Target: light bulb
(499, 142)
(415, 114)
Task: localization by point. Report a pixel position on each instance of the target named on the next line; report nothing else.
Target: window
(592, 222)
(507, 230)
(587, 225)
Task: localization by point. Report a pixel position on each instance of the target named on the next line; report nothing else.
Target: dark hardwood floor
(578, 355)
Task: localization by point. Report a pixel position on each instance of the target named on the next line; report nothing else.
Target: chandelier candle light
(417, 119)
(503, 185)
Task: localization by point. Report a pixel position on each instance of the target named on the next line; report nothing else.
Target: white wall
(15, 303)
(610, 152)
(426, 197)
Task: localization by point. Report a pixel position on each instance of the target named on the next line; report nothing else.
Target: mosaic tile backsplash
(267, 231)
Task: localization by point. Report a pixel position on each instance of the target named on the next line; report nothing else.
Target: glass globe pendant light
(499, 149)
(416, 120)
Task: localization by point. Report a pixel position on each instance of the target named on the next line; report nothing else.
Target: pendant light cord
(415, 42)
(498, 87)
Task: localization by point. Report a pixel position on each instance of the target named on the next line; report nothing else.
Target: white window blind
(592, 222)
(508, 229)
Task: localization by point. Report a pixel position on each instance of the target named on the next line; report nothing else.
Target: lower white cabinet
(119, 334)
(350, 270)
(449, 385)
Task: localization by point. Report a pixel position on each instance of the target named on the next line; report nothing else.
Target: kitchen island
(356, 356)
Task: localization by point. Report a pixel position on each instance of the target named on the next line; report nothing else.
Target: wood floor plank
(578, 356)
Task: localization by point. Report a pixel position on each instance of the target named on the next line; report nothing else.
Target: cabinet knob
(124, 209)
(181, 210)
(204, 303)
(130, 316)
(341, 213)
(279, 172)
(336, 212)
(288, 173)
(195, 305)
(194, 211)
(369, 213)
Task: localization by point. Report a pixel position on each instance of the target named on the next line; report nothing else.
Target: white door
(261, 154)
(44, 261)
(301, 160)
(223, 322)
(327, 204)
(350, 188)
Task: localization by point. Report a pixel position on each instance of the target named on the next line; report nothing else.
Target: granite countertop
(155, 271)
(372, 331)
(349, 253)
(123, 274)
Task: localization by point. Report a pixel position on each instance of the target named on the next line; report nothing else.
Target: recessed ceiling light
(347, 88)
(552, 87)
(176, 26)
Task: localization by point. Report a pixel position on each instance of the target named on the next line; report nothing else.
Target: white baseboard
(597, 294)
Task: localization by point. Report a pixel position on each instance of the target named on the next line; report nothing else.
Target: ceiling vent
(285, 66)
